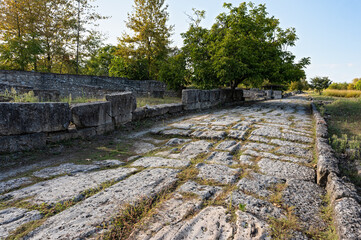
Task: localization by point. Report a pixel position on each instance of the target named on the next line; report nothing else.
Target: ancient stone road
(234, 174)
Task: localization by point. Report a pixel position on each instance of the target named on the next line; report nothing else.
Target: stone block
(25, 142)
(214, 95)
(122, 105)
(277, 94)
(190, 96)
(157, 94)
(139, 114)
(175, 107)
(24, 118)
(93, 114)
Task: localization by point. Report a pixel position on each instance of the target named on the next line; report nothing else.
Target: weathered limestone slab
(348, 218)
(246, 159)
(183, 125)
(177, 141)
(260, 208)
(286, 170)
(250, 227)
(193, 149)
(12, 218)
(297, 138)
(25, 142)
(66, 168)
(225, 121)
(276, 157)
(109, 163)
(160, 162)
(258, 146)
(290, 144)
(14, 183)
(237, 134)
(81, 220)
(243, 126)
(300, 152)
(122, 106)
(258, 184)
(68, 187)
(221, 158)
(91, 114)
(25, 118)
(176, 132)
(229, 145)
(218, 173)
(337, 188)
(143, 147)
(306, 198)
(273, 132)
(203, 191)
(210, 134)
(258, 139)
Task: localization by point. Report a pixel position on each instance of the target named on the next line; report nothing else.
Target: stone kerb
(277, 94)
(85, 115)
(122, 106)
(344, 198)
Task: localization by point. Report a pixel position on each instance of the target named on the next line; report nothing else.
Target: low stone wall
(77, 85)
(343, 195)
(256, 94)
(25, 126)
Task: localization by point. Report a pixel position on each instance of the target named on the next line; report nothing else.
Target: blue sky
(329, 31)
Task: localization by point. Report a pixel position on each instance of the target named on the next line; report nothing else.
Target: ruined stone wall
(26, 126)
(78, 85)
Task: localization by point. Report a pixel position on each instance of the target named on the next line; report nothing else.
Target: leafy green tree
(135, 69)
(99, 63)
(300, 85)
(358, 85)
(174, 72)
(151, 39)
(320, 83)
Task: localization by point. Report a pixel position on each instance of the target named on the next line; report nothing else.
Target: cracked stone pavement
(251, 164)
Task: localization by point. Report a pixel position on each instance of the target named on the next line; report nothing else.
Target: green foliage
(174, 73)
(300, 85)
(129, 68)
(99, 64)
(20, 97)
(320, 83)
(244, 45)
(339, 86)
(358, 85)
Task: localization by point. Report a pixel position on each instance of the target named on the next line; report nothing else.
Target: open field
(342, 93)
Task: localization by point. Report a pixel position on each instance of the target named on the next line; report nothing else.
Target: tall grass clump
(20, 97)
(342, 93)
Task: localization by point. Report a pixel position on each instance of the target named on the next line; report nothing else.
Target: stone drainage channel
(241, 173)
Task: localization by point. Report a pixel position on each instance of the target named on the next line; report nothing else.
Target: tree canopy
(320, 83)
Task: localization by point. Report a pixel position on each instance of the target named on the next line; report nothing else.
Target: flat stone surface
(219, 173)
(348, 218)
(175, 132)
(306, 198)
(290, 144)
(258, 146)
(273, 132)
(66, 168)
(286, 170)
(209, 134)
(83, 219)
(193, 149)
(299, 152)
(143, 147)
(160, 162)
(276, 157)
(12, 218)
(229, 145)
(108, 163)
(67, 187)
(255, 206)
(258, 184)
(221, 158)
(203, 191)
(14, 183)
(250, 227)
(255, 138)
(177, 141)
(246, 159)
(297, 138)
(182, 125)
(237, 134)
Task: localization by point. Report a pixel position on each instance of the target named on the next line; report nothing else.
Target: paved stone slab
(14, 183)
(258, 146)
(218, 173)
(244, 126)
(259, 139)
(286, 170)
(176, 132)
(221, 158)
(193, 149)
(290, 144)
(246, 159)
(237, 134)
(83, 219)
(229, 145)
(226, 121)
(160, 162)
(273, 132)
(203, 191)
(306, 198)
(143, 147)
(299, 152)
(258, 184)
(67, 187)
(177, 141)
(209, 134)
(250, 227)
(108, 163)
(260, 208)
(12, 218)
(348, 218)
(182, 125)
(66, 168)
(276, 157)
(297, 138)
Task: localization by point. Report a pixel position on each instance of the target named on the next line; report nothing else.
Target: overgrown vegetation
(143, 101)
(342, 93)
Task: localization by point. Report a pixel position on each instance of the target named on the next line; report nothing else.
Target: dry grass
(342, 93)
(143, 101)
